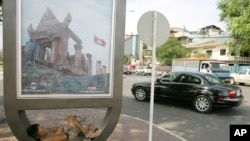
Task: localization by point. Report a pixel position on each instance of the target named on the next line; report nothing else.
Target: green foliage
(126, 59)
(236, 13)
(171, 49)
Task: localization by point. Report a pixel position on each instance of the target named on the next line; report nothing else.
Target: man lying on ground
(40, 133)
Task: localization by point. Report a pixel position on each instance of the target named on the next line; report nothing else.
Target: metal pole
(151, 115)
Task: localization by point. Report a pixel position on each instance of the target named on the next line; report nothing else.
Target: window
(169, 78)
(209, 53)
(186, 78)
(145, 46)
(222, 52)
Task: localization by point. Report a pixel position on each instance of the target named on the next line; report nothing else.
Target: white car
(143, 70)
(241, 77)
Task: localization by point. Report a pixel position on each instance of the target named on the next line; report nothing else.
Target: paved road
(183, 120)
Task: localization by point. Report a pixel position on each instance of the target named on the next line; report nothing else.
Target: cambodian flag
(99, 41)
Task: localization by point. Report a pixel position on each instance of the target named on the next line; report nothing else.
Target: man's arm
(59, 131)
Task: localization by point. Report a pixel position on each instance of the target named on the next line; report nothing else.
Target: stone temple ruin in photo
(47, 66)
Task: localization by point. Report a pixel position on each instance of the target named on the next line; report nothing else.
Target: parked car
(202, 90)
(127, 72)
(241, 77)
(143, 70)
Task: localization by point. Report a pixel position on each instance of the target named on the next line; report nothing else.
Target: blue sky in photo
(89, 18)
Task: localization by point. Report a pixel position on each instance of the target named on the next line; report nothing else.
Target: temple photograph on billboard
(64, 48)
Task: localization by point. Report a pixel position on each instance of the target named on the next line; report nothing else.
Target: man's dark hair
(32, 131)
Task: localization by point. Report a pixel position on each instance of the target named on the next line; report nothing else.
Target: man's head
(33, 131)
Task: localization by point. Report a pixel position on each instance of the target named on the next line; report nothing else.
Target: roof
(210, 40)
(48, 19)
(190, 72)
(211, 26)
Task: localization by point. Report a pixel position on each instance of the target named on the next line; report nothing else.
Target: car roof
(187, 72)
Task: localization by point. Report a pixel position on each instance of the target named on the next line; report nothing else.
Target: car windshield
(212, 79)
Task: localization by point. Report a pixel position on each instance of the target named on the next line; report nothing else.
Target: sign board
(62, 54)
(145, 28)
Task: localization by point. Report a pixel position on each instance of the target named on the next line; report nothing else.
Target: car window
(212, 79)
(187, 78)
(169, 78)
(219, 67)
(243, 72)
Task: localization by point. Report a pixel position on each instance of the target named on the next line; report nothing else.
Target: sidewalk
(127, 128)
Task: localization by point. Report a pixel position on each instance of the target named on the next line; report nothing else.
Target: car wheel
(232, 81)
(140, 94)
(202, 104)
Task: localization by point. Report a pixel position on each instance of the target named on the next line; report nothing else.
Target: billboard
(65, 48)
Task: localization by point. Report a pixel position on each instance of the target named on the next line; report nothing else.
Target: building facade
(211, 40)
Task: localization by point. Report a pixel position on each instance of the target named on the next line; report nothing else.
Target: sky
(193, 14)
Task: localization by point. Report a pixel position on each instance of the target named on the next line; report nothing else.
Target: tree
(236, 13)
(171, 49)
(126, 59)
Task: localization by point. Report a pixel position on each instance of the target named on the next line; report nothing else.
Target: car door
(244, 76)
(163, 85)
(186, 87)
(241, 76)
(248, 77)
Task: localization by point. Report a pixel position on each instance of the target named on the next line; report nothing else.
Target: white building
(211, 40)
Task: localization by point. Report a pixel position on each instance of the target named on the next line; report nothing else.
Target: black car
(203, 90)
(127, 72)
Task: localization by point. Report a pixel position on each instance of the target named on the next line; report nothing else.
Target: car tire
(140, 94)
(232, 81)
(202, 104)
